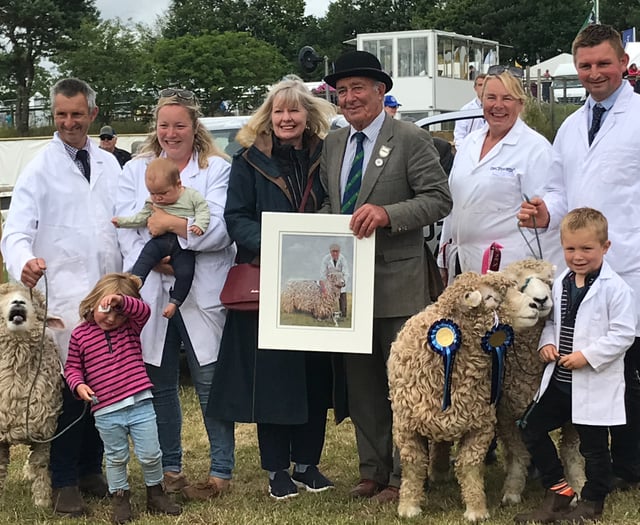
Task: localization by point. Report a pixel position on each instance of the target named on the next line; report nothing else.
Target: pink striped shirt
(110, 362)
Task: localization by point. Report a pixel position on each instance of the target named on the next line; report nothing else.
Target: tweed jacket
(406, 179)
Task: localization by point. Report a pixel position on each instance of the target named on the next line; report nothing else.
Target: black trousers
(182, 261)
(552, 411)
(625, 439)
(282, 444)
(78, 451)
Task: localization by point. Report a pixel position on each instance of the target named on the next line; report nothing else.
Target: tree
(217, 67)
(33, 30)
(277, 22)
(110, 60)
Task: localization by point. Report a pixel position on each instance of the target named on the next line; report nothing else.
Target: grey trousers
(369, 405)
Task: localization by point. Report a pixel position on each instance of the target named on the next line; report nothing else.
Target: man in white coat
(595, 164)
(59, 226)
(465, 126)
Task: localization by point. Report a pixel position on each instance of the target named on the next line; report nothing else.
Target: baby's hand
(84, 392)
(548, 353)
(196, 230)
(110, 301)
(114, 221)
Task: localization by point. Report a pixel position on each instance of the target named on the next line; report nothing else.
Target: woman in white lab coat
(495, 169)
(179, 136)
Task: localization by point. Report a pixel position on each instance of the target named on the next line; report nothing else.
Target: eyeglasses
(105, 137)
(512, 70)
(184, 94)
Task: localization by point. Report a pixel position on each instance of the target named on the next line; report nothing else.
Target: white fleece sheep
(416, 386)
(27, 367)
(319, 298)
(522, 379)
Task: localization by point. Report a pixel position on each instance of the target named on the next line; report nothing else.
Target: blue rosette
(496, 342)
(444, 338)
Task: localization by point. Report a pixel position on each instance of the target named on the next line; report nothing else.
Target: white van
(223, 130)
(567, 89)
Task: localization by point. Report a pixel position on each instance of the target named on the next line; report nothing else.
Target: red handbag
(241, 290)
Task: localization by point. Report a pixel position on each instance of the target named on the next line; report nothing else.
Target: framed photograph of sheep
(316, 284)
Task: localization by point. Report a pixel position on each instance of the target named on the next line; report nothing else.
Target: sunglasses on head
(184, 94)
(512, 70)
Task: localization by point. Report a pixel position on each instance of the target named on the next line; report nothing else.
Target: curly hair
(292, 92)
(203, 144)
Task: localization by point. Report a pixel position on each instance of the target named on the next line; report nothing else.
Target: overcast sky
(146, 10)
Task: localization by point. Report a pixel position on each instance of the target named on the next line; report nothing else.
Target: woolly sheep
(319, 298)
(522, 379)
(416, 386)
(29, 373)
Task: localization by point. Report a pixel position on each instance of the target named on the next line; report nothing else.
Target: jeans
(139, 422)
(166, 402)
(77, 452)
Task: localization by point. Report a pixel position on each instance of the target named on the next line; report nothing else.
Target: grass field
(248, 502)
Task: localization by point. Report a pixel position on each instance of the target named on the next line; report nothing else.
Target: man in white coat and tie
(596, 165)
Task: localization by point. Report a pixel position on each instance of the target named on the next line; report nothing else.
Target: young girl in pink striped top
(105, 368)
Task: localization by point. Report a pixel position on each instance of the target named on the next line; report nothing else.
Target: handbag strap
(305, 196)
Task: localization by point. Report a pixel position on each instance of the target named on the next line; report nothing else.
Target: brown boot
(94, 485)
(200, 491)
(68, 501)
(159, 503)
(585, 511)
(554, 507)
(121, 507)
(174, 482)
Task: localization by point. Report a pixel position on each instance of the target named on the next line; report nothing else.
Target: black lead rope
(38, 367)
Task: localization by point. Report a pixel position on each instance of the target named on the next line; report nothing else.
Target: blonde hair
(582, 218)
(512, 84)
(111, 283)
(164, 169)
(202, 142)
(293, 93)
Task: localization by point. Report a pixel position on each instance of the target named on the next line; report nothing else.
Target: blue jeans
(139, 422)
(166, 402)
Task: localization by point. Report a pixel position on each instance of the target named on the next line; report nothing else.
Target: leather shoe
(388, 495)
(94, 485)
(68, 501)
(365, 489)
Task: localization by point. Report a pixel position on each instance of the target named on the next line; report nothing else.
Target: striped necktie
(354, 180)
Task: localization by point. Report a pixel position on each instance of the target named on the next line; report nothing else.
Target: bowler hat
(358, 64)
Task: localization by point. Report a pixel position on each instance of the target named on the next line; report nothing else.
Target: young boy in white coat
(584, 343)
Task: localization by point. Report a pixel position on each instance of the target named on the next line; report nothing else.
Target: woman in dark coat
(287, 393)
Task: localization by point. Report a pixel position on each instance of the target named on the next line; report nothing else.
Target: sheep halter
(444, 338)
(496, 342)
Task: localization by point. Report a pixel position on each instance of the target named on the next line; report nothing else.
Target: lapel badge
(378, 162)
(384, 151)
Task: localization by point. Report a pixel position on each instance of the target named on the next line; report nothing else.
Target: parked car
(224, 130)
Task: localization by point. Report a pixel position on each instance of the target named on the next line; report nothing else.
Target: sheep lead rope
(38, 367)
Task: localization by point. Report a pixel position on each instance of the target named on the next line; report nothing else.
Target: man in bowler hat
(400, 187)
